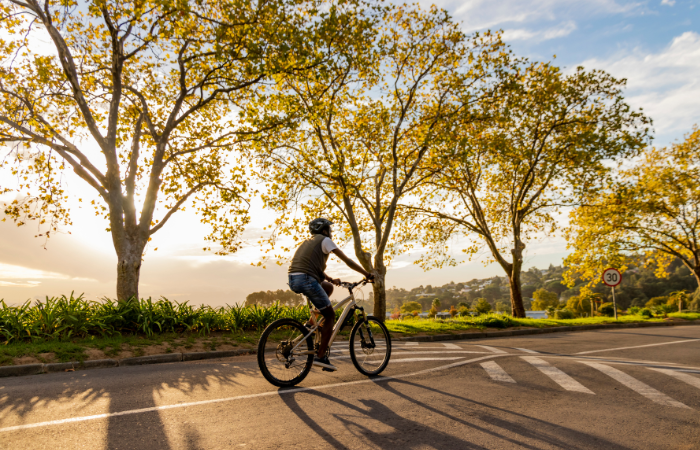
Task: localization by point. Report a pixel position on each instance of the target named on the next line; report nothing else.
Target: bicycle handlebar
(352, 286)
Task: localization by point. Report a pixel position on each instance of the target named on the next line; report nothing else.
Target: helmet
(317, 226)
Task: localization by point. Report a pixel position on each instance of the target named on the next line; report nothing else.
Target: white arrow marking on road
(242, 397)
(492, 349)
(636, 346)
(636, 385)
(691, 380)
(496, 372)
(452, 346)
(557, 375)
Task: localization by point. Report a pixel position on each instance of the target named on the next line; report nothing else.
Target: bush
(409, 307)
(544, 299)
(645, 312)
(634, 310)
(395, 314)
(464, 311)
(433, 312)
(563, 314)
(656, 301)
(607, 309)
(494, 321)
(482, 306)
(453, 311)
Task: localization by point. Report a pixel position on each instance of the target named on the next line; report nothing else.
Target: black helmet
(317, 226)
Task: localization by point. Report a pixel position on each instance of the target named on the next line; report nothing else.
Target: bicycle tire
(305, 365)
(376, 324)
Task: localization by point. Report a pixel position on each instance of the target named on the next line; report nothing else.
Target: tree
(367, 121)
(436, 303)
(501, 307)
(141, 99)
(652, 210)
(267, 298)
(544, 299)
(545, 139)
(579, 304)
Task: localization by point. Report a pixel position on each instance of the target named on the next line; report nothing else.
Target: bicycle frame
(349, 303)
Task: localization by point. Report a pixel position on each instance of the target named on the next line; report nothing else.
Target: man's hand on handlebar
(335, 281)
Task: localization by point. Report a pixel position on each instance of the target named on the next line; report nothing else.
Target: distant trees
(544, 299)
(267, 298)
(409, 307)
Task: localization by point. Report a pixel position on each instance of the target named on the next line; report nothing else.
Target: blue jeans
(307, 285)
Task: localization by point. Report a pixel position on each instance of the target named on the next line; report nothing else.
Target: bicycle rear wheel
(370, 346)
(280, 362)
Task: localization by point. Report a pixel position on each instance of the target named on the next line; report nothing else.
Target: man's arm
(351, 264)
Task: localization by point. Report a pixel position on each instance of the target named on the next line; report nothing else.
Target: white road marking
(403, 360)
(527, 350)
(496, 372)
(691, 380)
(557, 375)
(448, 345)
(492, 349)
(636, 346)
(241, 397)
(636, 385)
(445, 352)
(411, 343)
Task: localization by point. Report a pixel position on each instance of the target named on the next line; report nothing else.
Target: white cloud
(29, 284)
(666, 84)
(668, 2)
(562, 30)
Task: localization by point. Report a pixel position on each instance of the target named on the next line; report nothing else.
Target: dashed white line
(492, 349)
(636, 385)
(448, 345)
(496, 372)
(691, 380)
(557, 375)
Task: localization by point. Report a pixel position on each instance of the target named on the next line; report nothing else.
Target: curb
(35, 369)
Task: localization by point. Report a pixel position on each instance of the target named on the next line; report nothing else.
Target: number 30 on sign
(612, 277)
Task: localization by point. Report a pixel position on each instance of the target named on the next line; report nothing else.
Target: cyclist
(307, 276)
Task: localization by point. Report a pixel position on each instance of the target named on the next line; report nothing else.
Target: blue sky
(654, 44)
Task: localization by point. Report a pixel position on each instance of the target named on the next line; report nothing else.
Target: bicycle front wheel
(283, 356)
(370, 346)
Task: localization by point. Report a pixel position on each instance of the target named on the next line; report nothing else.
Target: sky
(655, 45)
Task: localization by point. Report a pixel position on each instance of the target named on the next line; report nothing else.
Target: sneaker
(324, 364)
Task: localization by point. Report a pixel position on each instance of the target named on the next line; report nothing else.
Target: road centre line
(691, 380)
(636, 385)
(636, 346)
(241, 397)
(559, 377)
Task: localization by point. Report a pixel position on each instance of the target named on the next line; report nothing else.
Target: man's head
(320, 226)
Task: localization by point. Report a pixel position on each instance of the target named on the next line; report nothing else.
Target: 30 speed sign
(612, 277)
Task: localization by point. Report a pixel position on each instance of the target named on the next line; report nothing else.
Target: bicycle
(286, 348)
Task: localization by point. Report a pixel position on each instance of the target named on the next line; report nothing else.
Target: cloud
(668, 2)
(29, 284)
(10, 271)
(562, 30)
(666, 84)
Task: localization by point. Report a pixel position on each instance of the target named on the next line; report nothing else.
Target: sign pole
(612, 277)
(614, 302)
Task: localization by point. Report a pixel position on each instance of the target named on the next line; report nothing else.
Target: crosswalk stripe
(527, 350)
(557, 375)
(496, 372)
(403, 360)
(452, 345)
(691, 380)
(636, 385)
(411, 343)
(492, 349)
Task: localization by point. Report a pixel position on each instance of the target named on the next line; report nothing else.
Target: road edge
(37, 369)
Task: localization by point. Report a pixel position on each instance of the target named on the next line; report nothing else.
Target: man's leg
(327, 330)
(328, 287)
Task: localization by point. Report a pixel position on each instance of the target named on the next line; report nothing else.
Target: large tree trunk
(128, 270)
(516, 295)
(379, 293)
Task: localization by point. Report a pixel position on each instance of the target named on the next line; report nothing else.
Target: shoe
(324, 364)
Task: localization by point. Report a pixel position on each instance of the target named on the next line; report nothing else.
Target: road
(613, 389)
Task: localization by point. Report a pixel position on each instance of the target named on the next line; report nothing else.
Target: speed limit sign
(612, 277)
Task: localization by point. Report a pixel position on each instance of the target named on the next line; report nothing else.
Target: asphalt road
(621, 389)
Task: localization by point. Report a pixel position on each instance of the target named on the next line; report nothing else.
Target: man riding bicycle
(307, 276)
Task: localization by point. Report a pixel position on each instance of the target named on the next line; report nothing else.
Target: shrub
(464, 311)
(415, 313)
(634, 310)
(395, 314)
(482, 306)
(409, 307)
(493, 321)
(544, 299)
(607, 309)
(563, 314)
(433, 312)
(645, 312)
(453, 311)
(656, 301)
